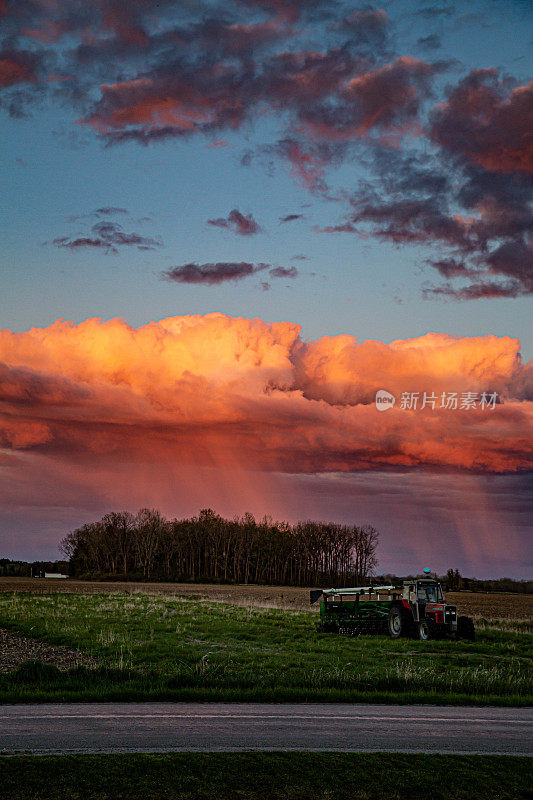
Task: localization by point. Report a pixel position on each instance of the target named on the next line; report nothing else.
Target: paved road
(164, 727)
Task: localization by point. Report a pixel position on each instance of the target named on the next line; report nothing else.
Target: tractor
(415, 608)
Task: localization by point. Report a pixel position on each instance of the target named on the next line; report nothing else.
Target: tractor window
(431, 592)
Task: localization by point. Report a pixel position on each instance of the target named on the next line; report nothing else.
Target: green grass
(170, 647)
(265, 776)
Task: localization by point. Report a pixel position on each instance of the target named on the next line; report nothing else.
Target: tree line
(210, 548)
(453, 581)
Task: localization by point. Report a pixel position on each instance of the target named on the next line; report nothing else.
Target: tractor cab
(422, 591)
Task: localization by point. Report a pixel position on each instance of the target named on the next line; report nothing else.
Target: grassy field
(192, 648)
(494, 607)
(264, 776)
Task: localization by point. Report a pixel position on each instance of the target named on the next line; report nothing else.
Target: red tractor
(421, 610)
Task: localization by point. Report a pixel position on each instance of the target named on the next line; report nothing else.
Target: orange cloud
(244, 394)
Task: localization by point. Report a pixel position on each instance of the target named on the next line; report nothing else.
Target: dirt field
(477, 604)
(493, 605)
(16, 648)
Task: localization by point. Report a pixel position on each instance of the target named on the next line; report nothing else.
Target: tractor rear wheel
(465, 629)
(395, 623)
(423, 631)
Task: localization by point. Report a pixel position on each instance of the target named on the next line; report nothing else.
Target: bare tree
(149, 526)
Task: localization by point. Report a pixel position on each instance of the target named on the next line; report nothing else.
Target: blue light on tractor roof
(427, 570)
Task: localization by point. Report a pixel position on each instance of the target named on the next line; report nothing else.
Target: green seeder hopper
(416, 608)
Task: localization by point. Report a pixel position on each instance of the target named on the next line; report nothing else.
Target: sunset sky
(226, 224)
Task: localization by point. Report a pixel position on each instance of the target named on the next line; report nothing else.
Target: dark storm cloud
(109, 38)
(17, 66)
(49, 22)
(283, 272)
(183, 97)
(368, 26)
(307, 160)
(472, 195)
(488, 122)
(219, 272)
(431, 42)
(434, 12)
(451, 268)
(244, 225)
(187, 47)
(289, 9)
(512, 261)
(212, 274)
(290, 218)
(488, 243)
(106, 211)
(334, 109)
(479, 291)
(514, 258)
(21, 78)
(82, 241)
(108, 237)
(202, 75)
(408, 174)
(412, 221)
(485, 127)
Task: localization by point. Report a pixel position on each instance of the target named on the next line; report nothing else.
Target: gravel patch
(15, 648)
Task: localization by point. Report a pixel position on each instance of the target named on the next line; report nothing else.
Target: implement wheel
(423, 631)
(395, 623)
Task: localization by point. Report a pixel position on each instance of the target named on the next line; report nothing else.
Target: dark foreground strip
(265, 776)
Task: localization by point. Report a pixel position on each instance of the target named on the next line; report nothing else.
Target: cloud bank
(221, 390)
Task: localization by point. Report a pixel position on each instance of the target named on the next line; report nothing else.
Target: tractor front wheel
(423, 630)
(395, 623)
